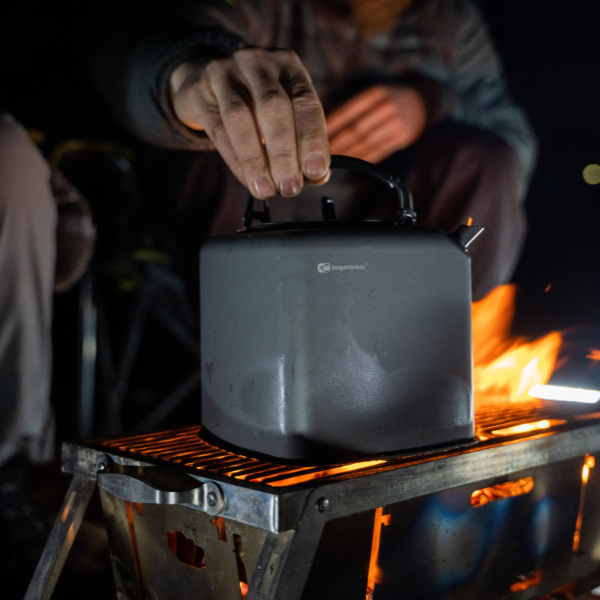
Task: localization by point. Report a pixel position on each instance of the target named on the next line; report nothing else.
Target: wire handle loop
(406, 214)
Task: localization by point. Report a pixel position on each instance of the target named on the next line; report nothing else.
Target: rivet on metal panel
(323, 504)
(102, 463)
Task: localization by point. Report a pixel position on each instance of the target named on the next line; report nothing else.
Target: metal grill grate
(495, 421)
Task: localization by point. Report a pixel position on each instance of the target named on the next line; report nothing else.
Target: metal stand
(61, 539)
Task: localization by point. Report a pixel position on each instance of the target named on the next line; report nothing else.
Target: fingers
(363, 103)
(236, 130)
(361, 128)
(378, 143)
(262, 113)
(275, 117)
(311, 132)
(377, 123)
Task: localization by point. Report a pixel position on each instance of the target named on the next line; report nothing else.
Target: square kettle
(334, 340)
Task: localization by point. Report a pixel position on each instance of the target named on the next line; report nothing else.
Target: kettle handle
(406, 216)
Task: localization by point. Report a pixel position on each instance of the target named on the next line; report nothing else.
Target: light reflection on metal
(375, 574)
(502, 490)
(590, 462)
(564, 394)
(527, 427)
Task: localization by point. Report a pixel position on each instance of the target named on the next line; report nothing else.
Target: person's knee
(24, 174)
(478, 147)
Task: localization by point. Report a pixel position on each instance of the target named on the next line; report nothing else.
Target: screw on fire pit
(322, 504)
(214, 500)
(102, 463)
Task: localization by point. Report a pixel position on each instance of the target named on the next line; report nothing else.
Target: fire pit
(511, 515)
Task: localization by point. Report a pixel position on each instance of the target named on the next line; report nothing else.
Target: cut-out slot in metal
(502, 490)
(241, 567)
(219, 523)
(524, 582)
(186, 550)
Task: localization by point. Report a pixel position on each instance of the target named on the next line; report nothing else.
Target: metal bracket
(154, 485)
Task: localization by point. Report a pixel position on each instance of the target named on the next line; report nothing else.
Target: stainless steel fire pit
(515, 515)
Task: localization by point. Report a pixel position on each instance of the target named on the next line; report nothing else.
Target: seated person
(38, 208)
(275, 86)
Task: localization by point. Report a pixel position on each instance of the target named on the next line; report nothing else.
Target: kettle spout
(465, 234)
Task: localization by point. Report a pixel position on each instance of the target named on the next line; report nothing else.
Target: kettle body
(329, 345)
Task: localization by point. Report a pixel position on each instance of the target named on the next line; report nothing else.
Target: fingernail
(315, 165)
(262, 187)
(288, 186)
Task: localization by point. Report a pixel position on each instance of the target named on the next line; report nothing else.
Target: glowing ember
(527, 427)
(243, 589)
(502, 490)
(504, 367)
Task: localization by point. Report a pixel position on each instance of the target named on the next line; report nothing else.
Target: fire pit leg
(61, 538)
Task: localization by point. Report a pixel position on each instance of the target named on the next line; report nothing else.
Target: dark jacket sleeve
(133, 67)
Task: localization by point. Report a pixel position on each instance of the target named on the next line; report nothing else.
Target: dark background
(550, 50)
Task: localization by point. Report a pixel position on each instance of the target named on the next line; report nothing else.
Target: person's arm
(202, 86)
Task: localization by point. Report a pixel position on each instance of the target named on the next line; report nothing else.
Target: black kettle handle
(406, 215)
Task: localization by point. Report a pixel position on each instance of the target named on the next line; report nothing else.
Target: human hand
(377, 122)
(262, 113)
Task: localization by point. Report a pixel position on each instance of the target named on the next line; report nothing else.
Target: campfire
(187, 517)
(506, 368)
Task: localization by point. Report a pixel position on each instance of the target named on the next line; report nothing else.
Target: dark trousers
(456, 173)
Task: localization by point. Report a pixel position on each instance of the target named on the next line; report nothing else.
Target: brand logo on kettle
(327, 267)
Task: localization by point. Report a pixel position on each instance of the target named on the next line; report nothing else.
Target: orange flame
(504, 367)
(594, 354)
